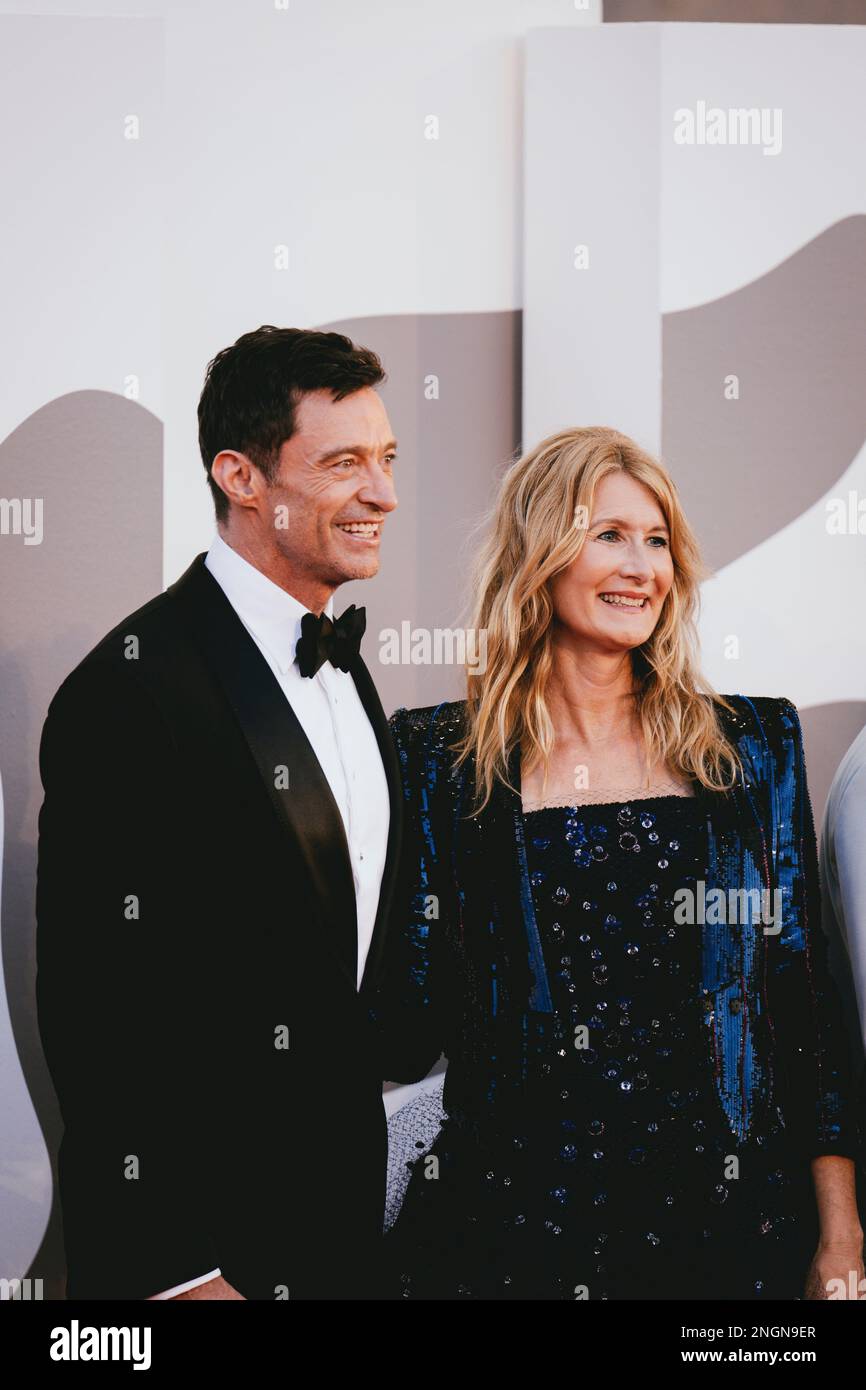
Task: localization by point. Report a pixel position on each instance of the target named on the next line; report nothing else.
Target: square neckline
(587, 806)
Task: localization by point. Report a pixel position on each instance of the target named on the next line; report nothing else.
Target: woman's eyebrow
(618, 521)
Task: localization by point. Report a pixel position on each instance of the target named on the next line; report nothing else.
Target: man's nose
(378, 491)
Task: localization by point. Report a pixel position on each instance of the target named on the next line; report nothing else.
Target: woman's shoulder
(773, 718)
(425, 740)
(431, 726)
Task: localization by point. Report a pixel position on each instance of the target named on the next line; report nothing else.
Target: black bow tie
(338, 642)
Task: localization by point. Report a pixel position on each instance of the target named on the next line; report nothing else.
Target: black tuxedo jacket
(196, 970)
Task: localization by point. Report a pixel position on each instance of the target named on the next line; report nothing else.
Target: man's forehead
(318, 411)
(326, 424)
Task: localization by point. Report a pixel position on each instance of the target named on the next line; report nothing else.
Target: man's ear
(238, 478)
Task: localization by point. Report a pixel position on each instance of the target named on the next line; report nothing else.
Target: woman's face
(611, 596)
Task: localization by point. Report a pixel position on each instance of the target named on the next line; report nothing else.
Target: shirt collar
(268, 612)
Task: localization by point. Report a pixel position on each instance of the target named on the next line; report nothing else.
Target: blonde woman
(610, 926)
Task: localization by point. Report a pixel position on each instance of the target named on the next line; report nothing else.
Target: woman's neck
(591, 698)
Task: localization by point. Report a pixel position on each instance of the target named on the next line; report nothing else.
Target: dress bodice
(609, 1169)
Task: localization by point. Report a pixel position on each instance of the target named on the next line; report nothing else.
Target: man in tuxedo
(217, 851)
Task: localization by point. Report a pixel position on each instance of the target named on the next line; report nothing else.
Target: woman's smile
(627, 602)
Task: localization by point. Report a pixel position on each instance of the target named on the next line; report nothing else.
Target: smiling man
(218, 845)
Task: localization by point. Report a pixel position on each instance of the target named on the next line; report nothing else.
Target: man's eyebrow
(618, 521)
(350, 449)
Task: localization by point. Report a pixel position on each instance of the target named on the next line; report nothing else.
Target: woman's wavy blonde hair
(533, 536)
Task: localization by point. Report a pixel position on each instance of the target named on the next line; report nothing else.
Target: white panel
(306, 128)
(592, 339)
(79, 274)
(729, 212)
(698, 222)
(791, 602)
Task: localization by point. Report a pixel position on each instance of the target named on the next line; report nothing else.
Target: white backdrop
(672, 228)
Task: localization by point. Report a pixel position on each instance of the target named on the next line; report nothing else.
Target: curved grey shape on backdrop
(796, 338)
(96, 461)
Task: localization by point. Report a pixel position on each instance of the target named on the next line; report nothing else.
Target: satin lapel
(306, 807)
(376, 715)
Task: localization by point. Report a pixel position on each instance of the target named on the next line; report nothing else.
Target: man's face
(334, 487)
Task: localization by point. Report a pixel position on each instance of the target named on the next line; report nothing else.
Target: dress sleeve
(812, 1047)
(411, 1004)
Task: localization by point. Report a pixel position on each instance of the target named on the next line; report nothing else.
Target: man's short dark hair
(252, 389)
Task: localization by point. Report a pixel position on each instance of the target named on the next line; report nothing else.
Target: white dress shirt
(330, 712)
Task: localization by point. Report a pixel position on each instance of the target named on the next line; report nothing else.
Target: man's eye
(340, 462)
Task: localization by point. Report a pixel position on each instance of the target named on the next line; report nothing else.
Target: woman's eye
(660, 539)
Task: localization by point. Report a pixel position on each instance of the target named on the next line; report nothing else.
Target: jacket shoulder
(114, 665)
(425, 737)
(773, 717)
(428, 723)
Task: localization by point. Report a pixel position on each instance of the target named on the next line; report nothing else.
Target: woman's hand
(837, 1270)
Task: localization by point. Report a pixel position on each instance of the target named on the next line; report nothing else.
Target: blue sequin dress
(615, 1175)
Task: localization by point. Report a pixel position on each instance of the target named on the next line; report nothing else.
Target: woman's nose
(636, 564)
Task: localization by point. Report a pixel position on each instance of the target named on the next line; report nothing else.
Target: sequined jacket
(464, 972)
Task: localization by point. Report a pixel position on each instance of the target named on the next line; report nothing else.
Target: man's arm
(812, 1043)
(121, 1021)
(849, 837)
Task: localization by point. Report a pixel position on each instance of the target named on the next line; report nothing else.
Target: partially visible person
(843, 865)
